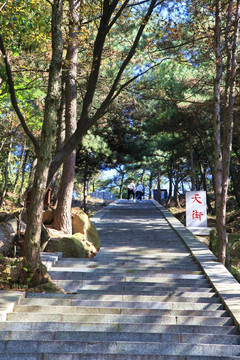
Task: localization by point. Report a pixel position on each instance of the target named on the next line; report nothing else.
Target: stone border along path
(143, 297)
(227, 287)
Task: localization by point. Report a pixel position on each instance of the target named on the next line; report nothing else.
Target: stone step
(70, 356)
(121, 336)
(114, 310)
(58, 273)
(167, 293)
(163, 282)
(74, 287)
(139, 264)
(47, 301)
(145, 286)
(120, 319)
(213, 298)
(97, 271)
(115, 327)
(117, 347)
(158, 258)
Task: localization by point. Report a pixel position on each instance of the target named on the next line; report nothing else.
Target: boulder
(82, 224)
(45, 236)
(11, 269)
(73, 246)
(47, 217)
(8, 232)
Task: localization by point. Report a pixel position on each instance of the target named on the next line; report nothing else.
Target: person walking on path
(131, 190)
(139, 191)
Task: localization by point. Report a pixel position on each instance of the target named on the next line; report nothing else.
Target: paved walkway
(153, 292)
(134, 222)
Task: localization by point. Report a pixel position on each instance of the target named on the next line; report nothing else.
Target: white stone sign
(196, 212)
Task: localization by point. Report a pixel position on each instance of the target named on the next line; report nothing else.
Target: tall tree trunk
(6, 171)
(150, 185)
(217, 122)
(121, 185)
(62, 214)
(19, 167)
(176, 196)
(192, 174)
(85, 186)
(223, 148)
(159, 199)
(23, 175)
(38, 191)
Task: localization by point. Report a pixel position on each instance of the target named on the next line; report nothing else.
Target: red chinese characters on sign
(197, 215)
(197, 198)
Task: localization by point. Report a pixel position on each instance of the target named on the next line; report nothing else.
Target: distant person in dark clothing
(139, 191)
(131, 190)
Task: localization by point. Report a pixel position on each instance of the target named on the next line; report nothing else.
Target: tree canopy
(145, 87)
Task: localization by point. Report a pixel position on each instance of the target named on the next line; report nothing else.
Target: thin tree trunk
(19, 167)
(85, 195)
(217, 126)
(150, 186)
(224, 162)
(121, 185)
(23, 175)
(6, 171)
(158, 187)
(176, 196)
(193, 179)
(62, 214)
(38, 191)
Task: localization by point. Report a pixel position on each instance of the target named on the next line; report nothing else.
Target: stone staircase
(141, 298)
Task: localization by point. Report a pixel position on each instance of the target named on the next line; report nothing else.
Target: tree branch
(13, 97)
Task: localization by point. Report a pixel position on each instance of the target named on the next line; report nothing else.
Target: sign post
(196, 212)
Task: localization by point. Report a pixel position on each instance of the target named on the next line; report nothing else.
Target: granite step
(72, 356)
(120, 319)
(65, 274)
(15, 326)
(114, 310)
(47, 300)
(186, 338)
(117, 347)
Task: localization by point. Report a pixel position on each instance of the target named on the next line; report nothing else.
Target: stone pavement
(153, 292)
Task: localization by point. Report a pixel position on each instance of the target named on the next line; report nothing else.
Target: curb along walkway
(152, 292)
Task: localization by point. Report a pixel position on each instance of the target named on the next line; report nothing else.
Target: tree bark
(223, 147)
(6, 170)
(23, 175)
(158, 187)
(19, 167)
(62, 214)
(38, 191)
(176, 197)
(193, 178)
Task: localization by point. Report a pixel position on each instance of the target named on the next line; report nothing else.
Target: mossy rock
(10, 269)
(82, 224)
(72, 246)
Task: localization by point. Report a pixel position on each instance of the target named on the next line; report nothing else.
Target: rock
(47, 217)
(8, 231)
(11, 269)
(73, 246)
(45, 236)
(82, 224)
